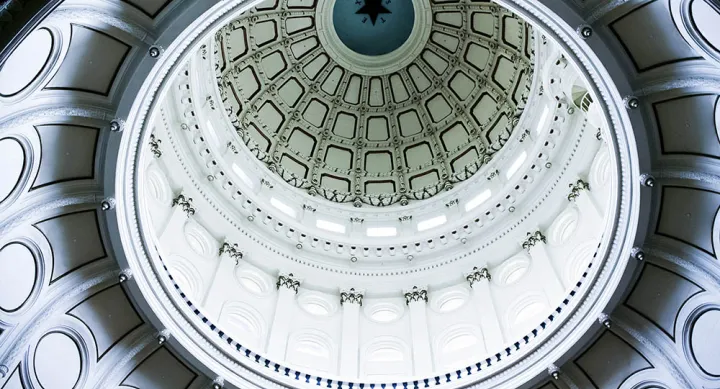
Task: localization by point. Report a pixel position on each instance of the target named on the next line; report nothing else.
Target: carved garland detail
(185, 203)
(288, 281)
(416, 294)
(533, 239)
(477, 275)
(576, 188)
(351, 296)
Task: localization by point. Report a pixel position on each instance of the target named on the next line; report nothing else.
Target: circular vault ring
(199, 344)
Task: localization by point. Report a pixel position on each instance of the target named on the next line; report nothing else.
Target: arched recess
(577, 261)
(458, 346)
(200, 240)
(186, 276)
(697, 22)
(385, 356)
(312, 349)
(243, 323)
(699, 322)
(526, 313)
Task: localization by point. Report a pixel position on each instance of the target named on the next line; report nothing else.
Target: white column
(416, 300)
(479, 281)
(277, 341)
(550, 280)
(587, 208)
(351, 301)
(174, 222)
(223, 280)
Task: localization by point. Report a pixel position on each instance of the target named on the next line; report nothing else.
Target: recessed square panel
(339, 157)
(409, 123)
(379, 162)
(377, 128)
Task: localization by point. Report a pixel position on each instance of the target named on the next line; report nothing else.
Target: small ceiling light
(586, 32)
(632, 102)
(115, 126)
(154, 51)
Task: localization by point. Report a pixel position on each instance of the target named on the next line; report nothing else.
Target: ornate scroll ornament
(289, 281)
(185, 203)
(416, 294)
(351, 296)
(232, 250)
(576, 188)
(155, 146)
(477, 275)
(532, 239)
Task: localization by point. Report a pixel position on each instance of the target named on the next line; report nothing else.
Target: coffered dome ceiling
(437, 108)
(140, 246)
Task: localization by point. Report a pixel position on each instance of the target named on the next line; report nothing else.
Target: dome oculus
(373, 27)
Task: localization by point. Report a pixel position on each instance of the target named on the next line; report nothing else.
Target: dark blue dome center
(373, 27)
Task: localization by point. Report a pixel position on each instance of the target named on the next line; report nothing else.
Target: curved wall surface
(66, 320)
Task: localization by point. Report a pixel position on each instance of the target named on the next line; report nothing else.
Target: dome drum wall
(188, 336)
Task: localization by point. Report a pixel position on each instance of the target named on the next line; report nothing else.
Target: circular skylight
(374, 27)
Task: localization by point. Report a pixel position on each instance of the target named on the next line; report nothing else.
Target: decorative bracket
(477, 275)
(155, 146)
(576, 188)
(532, 239)
(185, 203)
(232, 250)
(288, 281)
(416, 294)
(351, 296)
